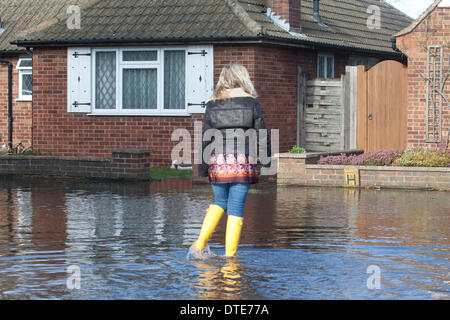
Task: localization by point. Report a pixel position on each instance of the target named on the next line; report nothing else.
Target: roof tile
(206, 19)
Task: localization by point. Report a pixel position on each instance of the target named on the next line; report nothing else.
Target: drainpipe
(10, 118)
(394, 45)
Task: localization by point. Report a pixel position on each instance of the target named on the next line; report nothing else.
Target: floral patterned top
(229, 168)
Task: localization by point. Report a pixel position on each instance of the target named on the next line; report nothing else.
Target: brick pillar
(288, 10)
(131, 163)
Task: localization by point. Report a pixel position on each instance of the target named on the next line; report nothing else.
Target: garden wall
(300, 169)
(125, 164)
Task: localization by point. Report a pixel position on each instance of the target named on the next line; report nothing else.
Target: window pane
(139, 89)
(174, 79)
(321, 73)
(330, 67)
(140, 55)
(25, 63)
(27, 84)
(105, 80)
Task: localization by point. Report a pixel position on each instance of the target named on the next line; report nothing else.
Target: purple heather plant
(372, 158)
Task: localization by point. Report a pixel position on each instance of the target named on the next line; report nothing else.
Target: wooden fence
(327, 113)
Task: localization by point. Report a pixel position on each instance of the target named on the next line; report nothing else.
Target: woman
(232, 166)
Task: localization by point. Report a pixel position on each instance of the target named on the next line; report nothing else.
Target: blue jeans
(231, 197)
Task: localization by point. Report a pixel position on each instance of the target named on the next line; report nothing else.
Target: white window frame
(325, 56)
(24, 71)
(121, 65)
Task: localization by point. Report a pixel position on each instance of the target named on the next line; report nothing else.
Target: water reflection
(215, 282)
(130, 241)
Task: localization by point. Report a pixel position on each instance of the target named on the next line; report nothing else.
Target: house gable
(421, 18)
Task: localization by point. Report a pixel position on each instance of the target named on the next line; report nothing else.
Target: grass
(165, 173)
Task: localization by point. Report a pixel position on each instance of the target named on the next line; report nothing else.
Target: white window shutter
(79, 80)
(199, 77)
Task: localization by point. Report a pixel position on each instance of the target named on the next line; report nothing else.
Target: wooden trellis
(434, 98)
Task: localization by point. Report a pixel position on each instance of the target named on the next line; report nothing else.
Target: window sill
(23, 100)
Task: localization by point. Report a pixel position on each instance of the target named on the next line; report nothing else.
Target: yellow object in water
(212, 218)
(234, 227)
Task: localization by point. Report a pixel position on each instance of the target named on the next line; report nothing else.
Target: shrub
(372, 158)
(423, 157)
(297, 150)
(375, 158)
(336, 160)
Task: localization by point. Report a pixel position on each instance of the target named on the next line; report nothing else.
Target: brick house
(15, 18)
(426, 43)
(135, 71)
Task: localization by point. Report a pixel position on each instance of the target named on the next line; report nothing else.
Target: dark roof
(19, 15)
(347, 21)
(207, 20)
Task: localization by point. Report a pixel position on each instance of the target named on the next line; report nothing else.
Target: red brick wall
(288, 10)
(434, 30)
(21, 109)
(124, 164)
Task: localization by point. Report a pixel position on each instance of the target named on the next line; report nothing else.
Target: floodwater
(75, 240)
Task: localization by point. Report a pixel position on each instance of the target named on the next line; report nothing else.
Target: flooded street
(130, 241)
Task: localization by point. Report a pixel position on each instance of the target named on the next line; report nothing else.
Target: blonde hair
(233, 76)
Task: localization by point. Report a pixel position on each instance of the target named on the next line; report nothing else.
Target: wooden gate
(382, 106)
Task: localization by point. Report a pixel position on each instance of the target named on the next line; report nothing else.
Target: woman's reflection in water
(220, 278)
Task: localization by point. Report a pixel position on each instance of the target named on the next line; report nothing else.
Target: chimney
(287, 10)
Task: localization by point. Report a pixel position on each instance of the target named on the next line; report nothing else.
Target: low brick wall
(125, 164)
(302, 170)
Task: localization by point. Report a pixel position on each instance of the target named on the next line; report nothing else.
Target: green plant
(296, 149)
(164, 173)
(423, 157)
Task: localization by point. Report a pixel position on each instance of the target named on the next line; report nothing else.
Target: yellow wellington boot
(234, 227)
(212, 218)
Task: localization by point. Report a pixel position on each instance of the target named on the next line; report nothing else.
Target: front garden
(412, 157)
(415, 157)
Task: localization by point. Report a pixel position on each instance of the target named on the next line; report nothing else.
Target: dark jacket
(229, 116)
